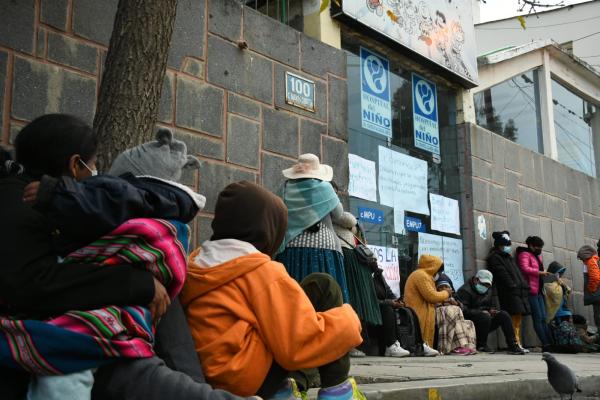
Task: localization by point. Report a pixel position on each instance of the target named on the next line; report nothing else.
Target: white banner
(403, 176)
(363, 178)
(387, 259)
(449, 250)
(445, 216)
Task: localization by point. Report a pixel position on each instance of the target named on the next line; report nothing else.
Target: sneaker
(485, 349)
(525, 351)
(429, 352)
(396, 350)
(347, 390)
(356, 353)
(516, 350)
(290, 391)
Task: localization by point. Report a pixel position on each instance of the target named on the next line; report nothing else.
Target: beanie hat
(443, 280)
(501, 238)
(484, 276)
(163, 158)
(586, 252)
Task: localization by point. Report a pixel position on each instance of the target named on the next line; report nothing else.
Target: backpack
(564, 337)
(409, 331)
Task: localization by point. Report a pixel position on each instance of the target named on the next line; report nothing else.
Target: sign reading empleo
(299, 92)
(425, 114)
(375, 104)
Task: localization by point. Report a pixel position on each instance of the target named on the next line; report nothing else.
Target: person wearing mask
(475, 297)
(421, 295)
(510, 286)
(591, 279)
(531, 265)
(455, 334)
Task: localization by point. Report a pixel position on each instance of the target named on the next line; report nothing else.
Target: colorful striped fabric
(81, 340)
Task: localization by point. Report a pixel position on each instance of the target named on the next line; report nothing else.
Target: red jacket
(530, 266)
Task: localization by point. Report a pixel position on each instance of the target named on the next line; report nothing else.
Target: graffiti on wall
(441, 30)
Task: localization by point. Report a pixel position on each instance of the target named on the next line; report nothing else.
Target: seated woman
(421, 295)
(60, 145)
(455, 334)
(253, 324)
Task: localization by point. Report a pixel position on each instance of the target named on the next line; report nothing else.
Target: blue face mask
(507, 249)
(481, 289)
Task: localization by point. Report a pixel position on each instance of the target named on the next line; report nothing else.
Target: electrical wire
(538, 26)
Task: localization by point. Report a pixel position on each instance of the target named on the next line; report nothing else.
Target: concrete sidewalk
(479, 377)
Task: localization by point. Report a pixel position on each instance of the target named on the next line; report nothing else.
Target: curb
(475, 389)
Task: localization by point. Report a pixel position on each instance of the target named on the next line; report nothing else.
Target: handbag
(363, 253)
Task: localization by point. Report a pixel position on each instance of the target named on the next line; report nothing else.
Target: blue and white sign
(375, 104)
(299, 92)
(425, 114)
(413, 224)
(371, 215)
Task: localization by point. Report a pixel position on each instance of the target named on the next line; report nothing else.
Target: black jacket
(512, 289)
(81, 212)
(32, 281)
(472, 301)
(384, 293)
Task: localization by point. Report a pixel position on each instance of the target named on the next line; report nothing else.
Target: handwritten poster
(453, 261)
(444, 214)
(387, 259)
(404, 176)
(449, 250)
(399, 208)
(363, 179)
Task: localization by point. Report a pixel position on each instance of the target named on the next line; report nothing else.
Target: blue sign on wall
(414, 224)
(299, 92)
(375, 104)
(425, 116)
(371, 215)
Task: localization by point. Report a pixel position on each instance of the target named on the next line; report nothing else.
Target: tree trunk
(133, 76)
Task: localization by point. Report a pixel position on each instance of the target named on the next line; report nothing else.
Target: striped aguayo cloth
(81, 340)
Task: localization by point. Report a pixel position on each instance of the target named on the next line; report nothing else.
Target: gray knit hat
(586, 252)
(163, 158)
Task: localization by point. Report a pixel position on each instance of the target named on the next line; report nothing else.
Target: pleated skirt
(303, 261)
(361, 289)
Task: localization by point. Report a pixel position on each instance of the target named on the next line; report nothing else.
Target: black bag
(363, 253)
(409, 331)
(565, 337)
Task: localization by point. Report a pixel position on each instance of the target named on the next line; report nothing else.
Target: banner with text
(449, 250)
(387, 259)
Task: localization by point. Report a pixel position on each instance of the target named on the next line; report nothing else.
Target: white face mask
(94, 172)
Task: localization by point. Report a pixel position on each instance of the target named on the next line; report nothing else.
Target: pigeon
(562, 378)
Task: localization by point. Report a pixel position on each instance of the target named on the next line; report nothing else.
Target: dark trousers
(485, 323)
(596, 307)
(538, 314)
(324, 293)
(388, 317)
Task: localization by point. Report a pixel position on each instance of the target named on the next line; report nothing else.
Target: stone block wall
(226, 103)
(528, 194)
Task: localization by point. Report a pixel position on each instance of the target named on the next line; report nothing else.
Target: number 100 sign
(299, 92)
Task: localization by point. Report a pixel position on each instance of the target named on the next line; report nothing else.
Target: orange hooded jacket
(248, 312)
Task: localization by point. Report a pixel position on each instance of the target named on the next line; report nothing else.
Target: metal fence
(288, 12)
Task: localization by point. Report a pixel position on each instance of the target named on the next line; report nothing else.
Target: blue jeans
(538, 313)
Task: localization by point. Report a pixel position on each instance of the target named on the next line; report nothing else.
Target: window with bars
(288, 12)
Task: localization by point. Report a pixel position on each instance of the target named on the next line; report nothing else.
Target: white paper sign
(444, 214)
(449, 250)
(387, 259)
(399, 214)
(363, 179)
(430, 244)
(404, 176)
(453, 261)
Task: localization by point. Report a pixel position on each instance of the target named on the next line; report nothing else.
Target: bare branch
(533, 4)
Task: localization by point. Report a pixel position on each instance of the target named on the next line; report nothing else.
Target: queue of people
(100, 296)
